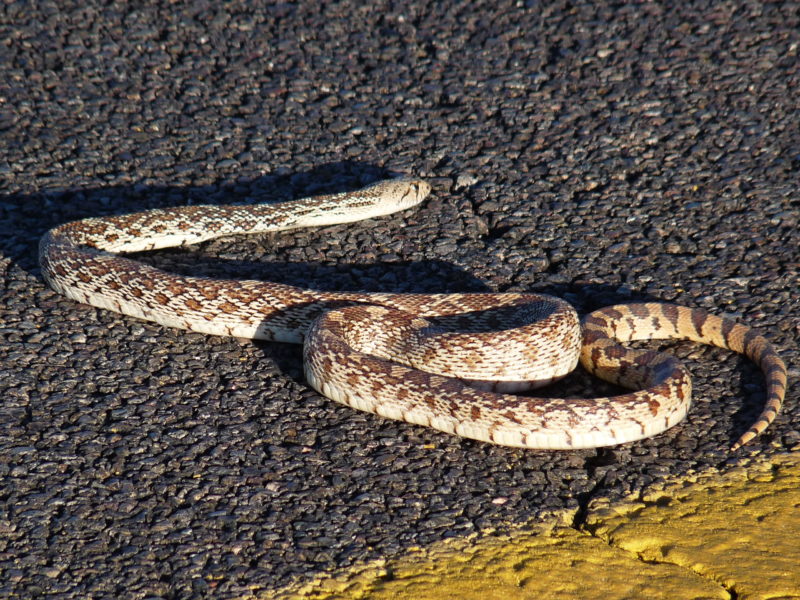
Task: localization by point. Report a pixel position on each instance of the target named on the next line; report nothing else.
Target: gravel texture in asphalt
(600, 153)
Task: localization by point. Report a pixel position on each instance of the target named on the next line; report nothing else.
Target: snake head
(399, 194)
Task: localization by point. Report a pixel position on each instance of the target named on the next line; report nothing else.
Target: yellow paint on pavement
(741, 530)
(735, 535)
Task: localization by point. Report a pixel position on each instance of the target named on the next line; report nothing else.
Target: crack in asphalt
(580, 525)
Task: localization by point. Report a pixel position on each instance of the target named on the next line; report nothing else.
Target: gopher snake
(447, 361)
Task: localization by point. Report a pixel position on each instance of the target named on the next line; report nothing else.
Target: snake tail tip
(746, 437)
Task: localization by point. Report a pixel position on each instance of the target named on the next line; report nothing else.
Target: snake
(461, 363)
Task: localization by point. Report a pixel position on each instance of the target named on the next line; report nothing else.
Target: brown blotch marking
(590, 336)
(176, 288)
(764, 357)
(327, 364)
(208, 292)
(113, 285)
(631, 322)
(402, 394)
(112, 237)
(533, 408)
(84, 277)
(614, 325)
(136, 292)
(511, 416)
(429, 356)
(193, 304)
(613, 313)
(751, 337)
(595, 357)
(615, 351)
(653, 405)
(727, 327)
(678, 374)
(645, 359)
(640, 311)
(670, 311)
(475, 412)
(244, 295)
(228, 307)
(594, 321)
(699, 319)
(774, 366)
(161, 299)
(776, 382)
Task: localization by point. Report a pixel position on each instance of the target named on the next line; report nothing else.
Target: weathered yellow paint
(741, 530)
(707, 536)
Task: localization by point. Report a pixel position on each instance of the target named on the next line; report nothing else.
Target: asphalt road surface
(600, 153)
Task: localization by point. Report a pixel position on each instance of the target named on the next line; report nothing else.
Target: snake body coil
(447, 361)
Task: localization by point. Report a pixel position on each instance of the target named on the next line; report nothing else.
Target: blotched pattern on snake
(448, 361)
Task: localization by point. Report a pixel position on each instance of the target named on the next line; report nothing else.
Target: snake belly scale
(447, 361)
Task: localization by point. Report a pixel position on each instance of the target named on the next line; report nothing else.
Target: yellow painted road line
(731, 535)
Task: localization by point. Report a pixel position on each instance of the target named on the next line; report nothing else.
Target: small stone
(465, 180)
